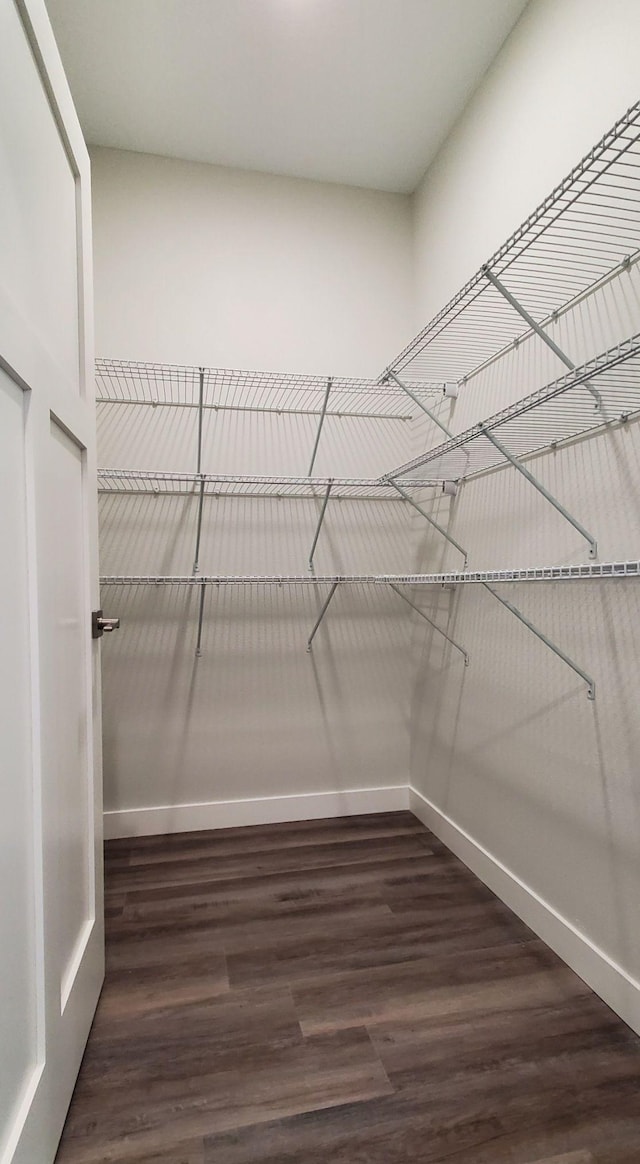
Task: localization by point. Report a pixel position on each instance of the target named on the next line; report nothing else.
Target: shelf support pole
(590, 682)
(323, 413)
(441, 530)
(435, 626)
(203, 587)
(432, 416)
(200, 419)
(196, 556)
(593, 545)
(522, 311)
(320, 520)
(321, 615)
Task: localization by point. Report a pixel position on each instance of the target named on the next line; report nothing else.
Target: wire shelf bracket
(590, 682)
(390, 375)
(323, 413)
(320, 617)
(431, 520)
(433, 624)
(320, 521)
(593, 545)
(537, 328)
(196, 554)
(203, 591)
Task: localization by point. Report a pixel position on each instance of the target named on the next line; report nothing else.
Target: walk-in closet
(323, 632)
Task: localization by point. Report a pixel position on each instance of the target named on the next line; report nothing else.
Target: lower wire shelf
(581, 573)
(591, 570)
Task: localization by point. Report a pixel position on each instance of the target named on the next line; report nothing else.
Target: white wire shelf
(561, 411)
(581, 573)
(169, 385)
(584, 233)
(140, 481)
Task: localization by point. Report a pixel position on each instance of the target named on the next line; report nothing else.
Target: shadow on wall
(156, 534)
(255, 715)
(513, 752)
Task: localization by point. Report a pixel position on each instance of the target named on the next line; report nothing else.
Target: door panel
(65, 706)
(20, 981)
(38, 227)
(51, 925)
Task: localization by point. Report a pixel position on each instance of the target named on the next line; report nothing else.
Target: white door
(51, 930)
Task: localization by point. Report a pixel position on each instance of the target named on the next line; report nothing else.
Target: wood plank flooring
(339, 991)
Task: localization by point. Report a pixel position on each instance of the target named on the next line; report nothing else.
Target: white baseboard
(618, 989)
(224, 814)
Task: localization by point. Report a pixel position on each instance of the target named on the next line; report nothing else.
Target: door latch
(100, 624)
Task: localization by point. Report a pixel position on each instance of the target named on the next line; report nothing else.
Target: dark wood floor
(338, 992)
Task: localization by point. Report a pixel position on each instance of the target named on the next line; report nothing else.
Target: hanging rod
(593, 571)
(343, 414)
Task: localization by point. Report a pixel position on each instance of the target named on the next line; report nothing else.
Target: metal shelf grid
(587, 572)
(137, 481)
(223, 389)
(560, 411)
(584, 233)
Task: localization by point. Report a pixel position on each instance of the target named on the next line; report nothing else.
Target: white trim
(224, 814)
(609, 980)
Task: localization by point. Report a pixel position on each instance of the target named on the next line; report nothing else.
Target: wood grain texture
(340, 990)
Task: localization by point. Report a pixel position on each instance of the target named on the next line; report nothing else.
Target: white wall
(197, 264)
(206, 265)
(533, 785)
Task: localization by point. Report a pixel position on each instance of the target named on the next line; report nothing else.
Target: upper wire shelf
(170, 385)
(585, 232)
(226, 485)
(603, 391)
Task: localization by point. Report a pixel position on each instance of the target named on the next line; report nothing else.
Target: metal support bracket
(431, 520)
(323, 413)
(196, 555)
(200, 419)
(591, 686)
(524, 314)
(203, 588)
(593, 545)
(322, 614)
(435, 626)
(320, 520)
(432, 416)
